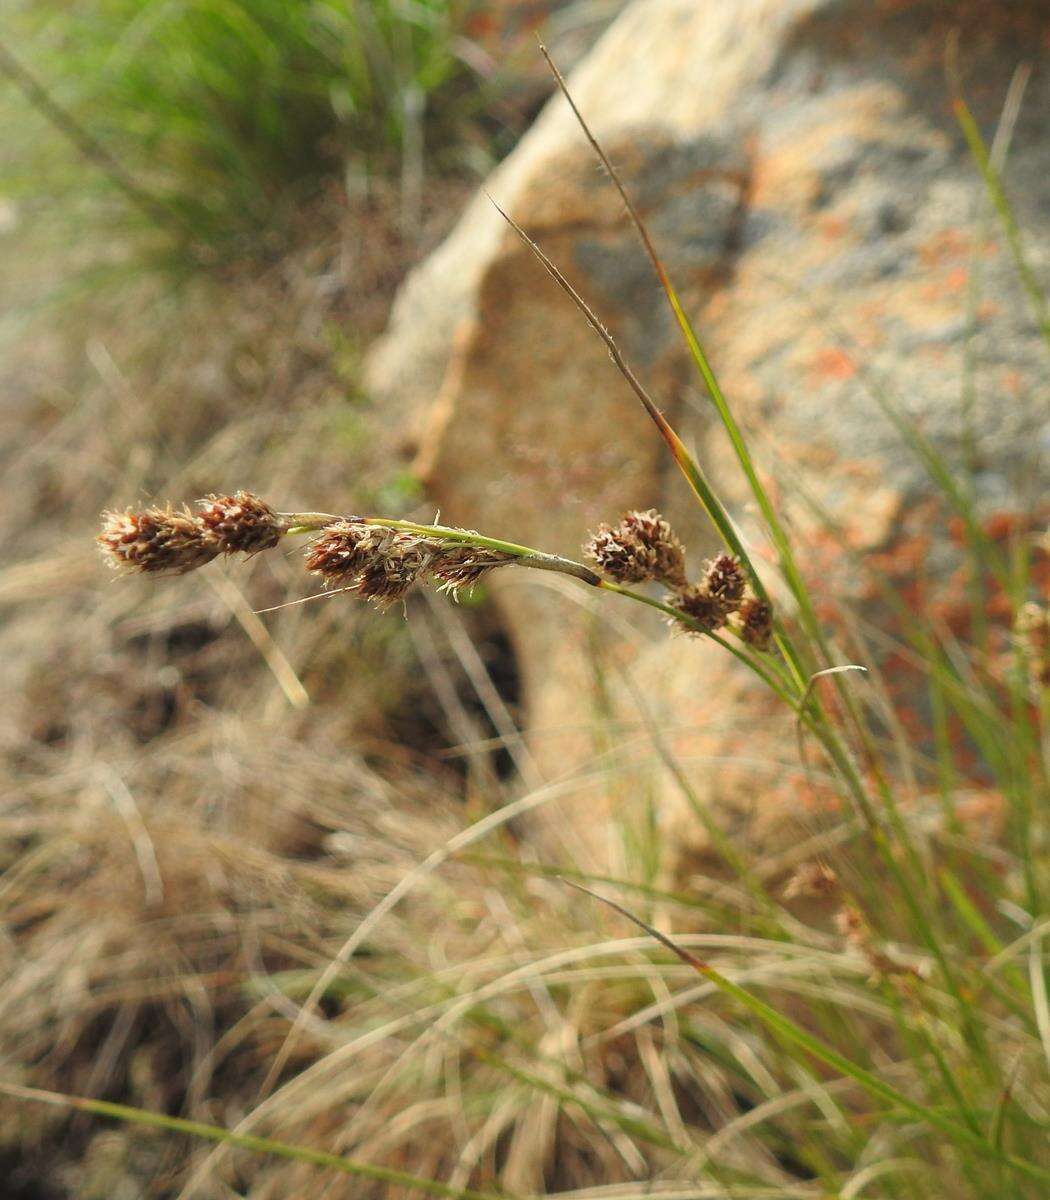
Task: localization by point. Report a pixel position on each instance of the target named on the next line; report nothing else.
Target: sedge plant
(905, 1046)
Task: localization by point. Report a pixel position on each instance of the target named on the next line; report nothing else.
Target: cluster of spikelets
(173, 541)
(644, 548)
(381, 564)
(374, 562)
(378, 561)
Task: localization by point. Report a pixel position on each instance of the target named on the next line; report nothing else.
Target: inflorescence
(380, 560)
(174, 541)
(381, 564)
(373, 561)
(644, 548)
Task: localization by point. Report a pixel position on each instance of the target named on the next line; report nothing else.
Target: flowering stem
(752, 663)
(306, 522)
(528, 556)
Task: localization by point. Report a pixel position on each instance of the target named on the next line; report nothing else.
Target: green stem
(528, 556)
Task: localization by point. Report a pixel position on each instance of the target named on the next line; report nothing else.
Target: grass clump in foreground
(903, 1053)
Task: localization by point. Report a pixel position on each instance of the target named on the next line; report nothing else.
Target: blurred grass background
(230, 116)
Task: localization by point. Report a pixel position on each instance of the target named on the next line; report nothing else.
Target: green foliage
(230, 113)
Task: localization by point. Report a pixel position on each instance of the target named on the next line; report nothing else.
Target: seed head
(724, 577)
(461, 566)
(756, 622)
(697, 603)
(241, 523)
(642, 547)
(852, 926)
(812, 879)
(155, 540)
(378, 564)
(860, 936)
(342, 551)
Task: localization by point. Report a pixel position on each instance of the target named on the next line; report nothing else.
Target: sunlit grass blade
(257, 1145)
(685, 462)
(1004, 210)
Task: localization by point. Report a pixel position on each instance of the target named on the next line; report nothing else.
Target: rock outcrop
(805, 181)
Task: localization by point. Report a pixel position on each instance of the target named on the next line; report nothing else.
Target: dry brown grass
(190, 799)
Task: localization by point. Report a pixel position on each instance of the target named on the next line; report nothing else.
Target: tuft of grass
(910, 1054)
(230, 115)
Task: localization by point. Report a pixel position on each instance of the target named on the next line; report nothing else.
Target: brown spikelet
(155, 540)
(697, 603)
(860, 936)
(378, 564)
(812, 880)
(642, 547)
(756, 622)
(456, 567)
(241, 523)
(724, 578)
(342, 550)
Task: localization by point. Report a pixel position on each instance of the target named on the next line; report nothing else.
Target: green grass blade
(257, 1145)
(993, 182)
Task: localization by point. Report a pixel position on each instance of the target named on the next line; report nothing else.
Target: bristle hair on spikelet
(642, 547)
(241, 523)
(706, 612)
(155, 540)
(375, 562)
